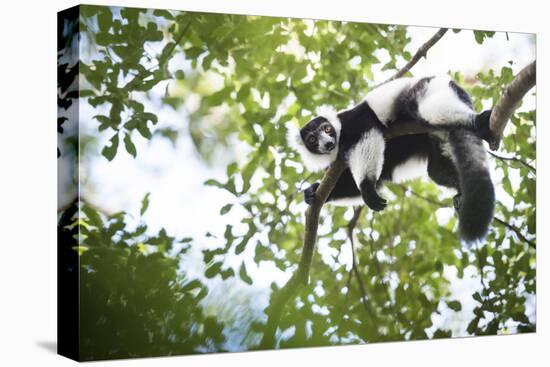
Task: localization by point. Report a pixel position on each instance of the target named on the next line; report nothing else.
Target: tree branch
(428, 200)
(354, 269)
(517, 232)
(511, 96)
(514, 159)
(420, 53)
(514, 229)
(301, 275)
(401, 128)
(139, 78)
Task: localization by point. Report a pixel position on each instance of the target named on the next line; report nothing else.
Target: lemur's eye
(328, 129)
(312, 139)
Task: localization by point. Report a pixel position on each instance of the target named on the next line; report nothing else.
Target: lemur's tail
(477, 201)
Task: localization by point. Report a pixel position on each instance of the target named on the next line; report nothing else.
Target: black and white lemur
(453, 154)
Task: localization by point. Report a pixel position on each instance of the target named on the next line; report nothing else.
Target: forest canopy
(228, 86)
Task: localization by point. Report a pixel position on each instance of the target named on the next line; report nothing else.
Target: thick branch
(401, 128)
(422, 51)
(512, 95)
(301, 275)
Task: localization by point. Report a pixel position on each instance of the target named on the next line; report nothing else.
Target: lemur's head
(319, 136)
(317, 141)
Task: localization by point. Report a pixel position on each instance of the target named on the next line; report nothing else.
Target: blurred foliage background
(237, 80)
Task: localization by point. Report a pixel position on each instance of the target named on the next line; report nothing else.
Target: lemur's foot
(457, 201)
(482, 128)
(373, 200)
(309, 193)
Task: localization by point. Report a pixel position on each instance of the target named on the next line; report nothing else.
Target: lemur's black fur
(454, 153)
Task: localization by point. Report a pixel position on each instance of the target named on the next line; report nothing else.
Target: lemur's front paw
(374, 201)
(309, 193)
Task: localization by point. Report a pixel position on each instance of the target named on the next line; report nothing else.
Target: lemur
(452, 153)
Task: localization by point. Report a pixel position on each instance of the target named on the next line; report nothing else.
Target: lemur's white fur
(331, 115)
(381, 99)
(438, 104)
(351, 201)
(412, 168)
(367, 157)
(315, 162)
(441, 106)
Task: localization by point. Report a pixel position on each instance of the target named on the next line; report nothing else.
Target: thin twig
(354, 269)
(132, 83)
(420, 53)
(516, 231)
(431, 201)
(496, 219)
(301, 275)
(514, 159)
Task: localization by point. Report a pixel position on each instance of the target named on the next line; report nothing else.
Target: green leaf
(232, 169)
(454, 305)
(194, 52)
(241, 246)
(150, 116)
(130, 147)
(104, 19)
(478, 36)
(194, 284)
(93, 217)
(215, 183)
(248, 172)
(163, 13)
(472, 326)
(143, 129)
(442, 334)
(103, 119)
(213, 270)
(144, 203)
(225, 209)
(226, 273)
(180, 75)
(243, 274)
(109, 152)
(521, 317)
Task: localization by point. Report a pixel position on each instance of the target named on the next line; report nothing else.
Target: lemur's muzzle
(329, 146)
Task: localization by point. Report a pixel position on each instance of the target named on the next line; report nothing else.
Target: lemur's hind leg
(443, 103)
(442, 170)
(481, 126)
(365, 160)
